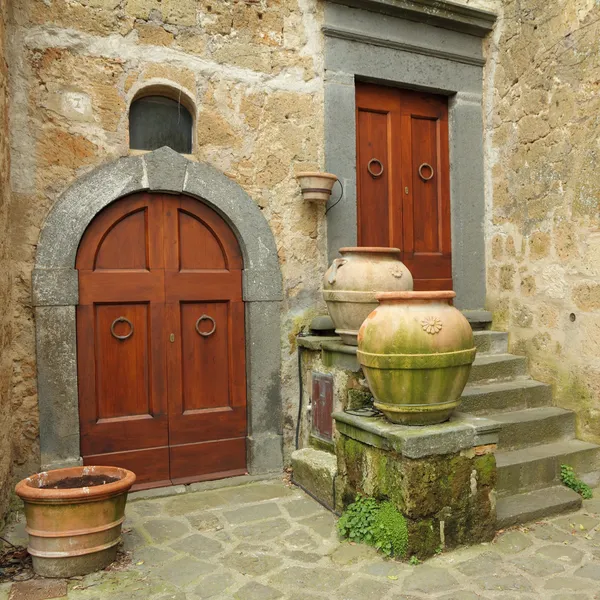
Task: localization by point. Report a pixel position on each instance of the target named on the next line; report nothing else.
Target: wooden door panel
(207, 399)
(373, 154)
(427, 247)
(210, 286)
(400, 209)
(122, 365)
(205, 364)
(125, 246)
(100, 286)
(150, 465)
(426, 222)
(199, 247)
(127, 234)
(208, 460)
(122, 383)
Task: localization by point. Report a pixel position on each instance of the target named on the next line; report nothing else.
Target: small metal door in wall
(322, 406)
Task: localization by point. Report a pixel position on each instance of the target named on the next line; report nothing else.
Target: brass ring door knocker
(428, 166)
(377, 162)
(205, 318)
(121, 320)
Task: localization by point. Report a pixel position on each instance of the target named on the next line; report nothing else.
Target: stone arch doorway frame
(55, 296)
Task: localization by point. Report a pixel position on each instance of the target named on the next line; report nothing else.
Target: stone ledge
(439, 13)
(316, 342)
(460, 433)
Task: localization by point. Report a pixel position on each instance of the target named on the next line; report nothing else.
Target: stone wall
(543, 193)
(5, 274)
(253, 68)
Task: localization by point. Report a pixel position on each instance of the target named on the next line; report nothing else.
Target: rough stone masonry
(254, 71)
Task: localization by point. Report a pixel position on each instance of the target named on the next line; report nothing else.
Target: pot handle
(337, 263)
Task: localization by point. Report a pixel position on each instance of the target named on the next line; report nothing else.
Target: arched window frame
(167, 89)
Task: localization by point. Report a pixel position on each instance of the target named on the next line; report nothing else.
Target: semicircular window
(157, 121)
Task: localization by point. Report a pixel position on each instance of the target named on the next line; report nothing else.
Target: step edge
(581, 446)
(554, 412)
(515, 383)
(570, 501)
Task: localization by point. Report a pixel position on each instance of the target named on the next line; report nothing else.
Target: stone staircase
(535, 437)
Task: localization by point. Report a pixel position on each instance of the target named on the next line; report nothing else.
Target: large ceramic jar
(352, 282)
(74, 518)
(416, 351)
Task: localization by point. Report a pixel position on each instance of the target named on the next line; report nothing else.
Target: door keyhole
(172, 338)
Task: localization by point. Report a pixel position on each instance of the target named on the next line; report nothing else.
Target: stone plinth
(441, 477)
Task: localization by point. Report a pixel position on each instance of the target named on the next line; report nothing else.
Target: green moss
(486, 470)
(423, 538)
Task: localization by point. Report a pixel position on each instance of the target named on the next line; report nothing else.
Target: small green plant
(414, 561)
(568, 477)
(378, 524)
(357, 521)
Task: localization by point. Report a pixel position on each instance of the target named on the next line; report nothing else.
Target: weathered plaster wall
(254, 70)
(5, 274)
(543, 194)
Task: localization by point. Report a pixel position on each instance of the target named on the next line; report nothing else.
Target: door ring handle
(428, 166)
(121, 320)
(378, 162)
(204, 318)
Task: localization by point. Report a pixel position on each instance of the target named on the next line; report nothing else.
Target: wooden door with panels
(403, 179)
(160, 341)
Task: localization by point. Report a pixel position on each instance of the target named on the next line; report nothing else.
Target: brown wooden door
(160, 337)
(403, 179)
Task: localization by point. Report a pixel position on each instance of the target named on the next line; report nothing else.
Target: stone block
(446, 497)
(340, 356)
(315, 471)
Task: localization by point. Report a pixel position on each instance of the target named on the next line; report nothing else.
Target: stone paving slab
(269, 540)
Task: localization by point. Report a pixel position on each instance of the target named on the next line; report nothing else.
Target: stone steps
(491, 342)
(537, 467)
(497, 367)
(535, 437)
(513, 394)
(534, 426)
(532, 506)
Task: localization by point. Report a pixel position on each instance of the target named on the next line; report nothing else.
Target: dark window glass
(156, 121)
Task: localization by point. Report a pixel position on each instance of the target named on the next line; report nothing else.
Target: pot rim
(316, 174)
(431, 295)
(370, 250)
(26, 488)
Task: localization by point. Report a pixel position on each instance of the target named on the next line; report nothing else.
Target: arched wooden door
(160, 341)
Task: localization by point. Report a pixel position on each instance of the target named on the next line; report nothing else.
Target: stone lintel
(439, 13)
(460, 433)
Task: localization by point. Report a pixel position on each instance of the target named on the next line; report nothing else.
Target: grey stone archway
(55, 296)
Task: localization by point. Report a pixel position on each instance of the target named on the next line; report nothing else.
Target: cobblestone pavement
(268, 540)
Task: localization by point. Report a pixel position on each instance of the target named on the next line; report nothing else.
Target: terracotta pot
(352, 282)
(416, 351)
(316, 186)
(74, 531)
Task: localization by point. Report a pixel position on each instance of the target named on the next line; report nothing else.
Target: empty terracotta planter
(74, 530)
(316, 186)
(416, 352)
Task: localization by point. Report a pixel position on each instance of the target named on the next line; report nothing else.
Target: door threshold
(200, 486)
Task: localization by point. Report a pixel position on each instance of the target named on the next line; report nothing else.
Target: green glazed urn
(416, 351)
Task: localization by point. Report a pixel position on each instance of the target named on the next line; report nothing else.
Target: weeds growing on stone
(378, 524)
(570, 479)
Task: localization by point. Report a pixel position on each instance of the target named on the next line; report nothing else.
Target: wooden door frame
(55, 296)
